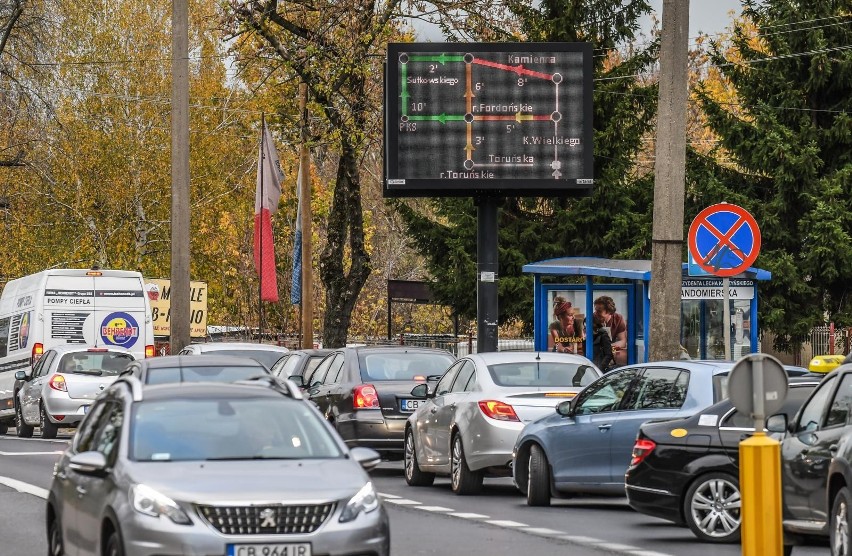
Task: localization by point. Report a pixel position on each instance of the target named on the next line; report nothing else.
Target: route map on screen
(509, 117)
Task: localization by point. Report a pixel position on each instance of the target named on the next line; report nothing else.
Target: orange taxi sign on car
(825, 363)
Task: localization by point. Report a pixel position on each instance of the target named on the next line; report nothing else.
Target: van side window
(4, 336)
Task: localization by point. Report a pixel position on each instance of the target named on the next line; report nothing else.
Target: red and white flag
(265, 205)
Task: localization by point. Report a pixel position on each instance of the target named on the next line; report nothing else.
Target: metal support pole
(179, 310)
(486, 274)
(726, 316)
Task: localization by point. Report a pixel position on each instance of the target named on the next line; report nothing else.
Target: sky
(707, 16)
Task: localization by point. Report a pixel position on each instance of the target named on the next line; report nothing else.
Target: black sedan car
(687, 471)
(299, 364)
(365, 392)
(194, 368)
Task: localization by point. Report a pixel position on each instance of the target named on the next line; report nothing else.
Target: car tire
(23, 430)
(840, 524)
(462, 480)
(4, 428)
(413, 475)
(48, 429)
(113, 545)
(54, 538)
(714, 496)
(538, 478)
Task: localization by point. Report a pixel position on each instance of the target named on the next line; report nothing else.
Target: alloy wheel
(841, 529)
(715, 507)
(409, 456)
(455, 463)
(55, 539)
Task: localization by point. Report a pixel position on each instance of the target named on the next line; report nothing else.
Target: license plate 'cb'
(276, 549)
(410, 405)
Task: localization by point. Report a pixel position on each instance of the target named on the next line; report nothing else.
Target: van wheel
(48, 429)
(23, 430)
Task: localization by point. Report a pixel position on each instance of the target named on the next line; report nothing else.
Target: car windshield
(228, 429)
(542, 373)
(267, 357)
(403, 365)
(104, 363)
(163, 375)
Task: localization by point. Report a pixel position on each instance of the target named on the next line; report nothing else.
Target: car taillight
(149, 351)
(641, 449)
(57, 382)
(364, 396)
(498, 410)
(38, 351)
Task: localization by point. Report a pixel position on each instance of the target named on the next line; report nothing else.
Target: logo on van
(24, 330)
(119, 329)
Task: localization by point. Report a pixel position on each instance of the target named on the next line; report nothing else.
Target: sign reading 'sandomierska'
(467, 118)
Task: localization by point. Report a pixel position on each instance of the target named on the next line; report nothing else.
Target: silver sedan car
(63, 384)
(467, 426)
(239, 469)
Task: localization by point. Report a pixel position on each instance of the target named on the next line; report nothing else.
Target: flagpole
(262, 202)
(305, 206)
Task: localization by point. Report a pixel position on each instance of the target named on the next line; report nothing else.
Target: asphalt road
(424, 521)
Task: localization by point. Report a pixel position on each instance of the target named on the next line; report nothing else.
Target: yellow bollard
(760, 489)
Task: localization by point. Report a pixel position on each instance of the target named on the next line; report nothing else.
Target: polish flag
(265, 205)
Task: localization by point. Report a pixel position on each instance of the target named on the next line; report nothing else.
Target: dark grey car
(365, 392)
(194, 368)
(158, 470)
(298, 364)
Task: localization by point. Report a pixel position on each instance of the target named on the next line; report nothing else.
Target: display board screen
(464, 119)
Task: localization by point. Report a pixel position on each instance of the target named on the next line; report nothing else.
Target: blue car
(585, 445)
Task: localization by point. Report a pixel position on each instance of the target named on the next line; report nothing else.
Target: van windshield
(104, 363)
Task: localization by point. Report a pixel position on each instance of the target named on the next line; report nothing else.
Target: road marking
(647, 553)
(26, 488)
(389, 496)
(464, 515)
(545, 532)
(433, 508)
(404, 502)
(506, 523)
(54, 453)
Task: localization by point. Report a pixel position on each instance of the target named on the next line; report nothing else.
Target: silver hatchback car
(63, 384)
(234, 469)
(467, 426)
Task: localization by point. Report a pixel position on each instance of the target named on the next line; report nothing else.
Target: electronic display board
(473, 118)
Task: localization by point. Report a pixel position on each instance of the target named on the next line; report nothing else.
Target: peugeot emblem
(267, 517)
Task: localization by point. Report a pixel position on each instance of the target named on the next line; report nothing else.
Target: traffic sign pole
(726, 315)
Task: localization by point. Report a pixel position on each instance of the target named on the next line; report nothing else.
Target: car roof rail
(134, 383)
(286, 387)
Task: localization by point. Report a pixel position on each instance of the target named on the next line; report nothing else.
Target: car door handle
(80, 490)
(433, 410)
(606, 427)
(832, 449)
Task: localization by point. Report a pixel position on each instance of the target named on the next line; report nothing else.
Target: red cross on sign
(724, 239)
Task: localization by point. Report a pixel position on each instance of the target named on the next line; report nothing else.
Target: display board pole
(486, 274)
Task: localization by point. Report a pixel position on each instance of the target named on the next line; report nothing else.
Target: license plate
(410, 405)
(274, 549)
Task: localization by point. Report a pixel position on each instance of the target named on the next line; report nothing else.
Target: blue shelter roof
(614, 268)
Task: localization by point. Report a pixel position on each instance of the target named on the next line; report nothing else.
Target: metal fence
(457, 345)
(830, 340)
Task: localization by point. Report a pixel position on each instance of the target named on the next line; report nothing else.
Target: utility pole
(179, 312)
(669, 177)
(305, 208)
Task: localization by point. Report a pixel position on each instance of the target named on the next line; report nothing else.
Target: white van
(69, 306)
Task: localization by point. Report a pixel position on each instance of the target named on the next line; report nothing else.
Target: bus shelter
(581, 280)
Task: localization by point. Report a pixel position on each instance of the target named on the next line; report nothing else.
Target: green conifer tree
(790, 137)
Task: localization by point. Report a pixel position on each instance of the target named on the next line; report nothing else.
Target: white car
(266, 354)
(63, 384)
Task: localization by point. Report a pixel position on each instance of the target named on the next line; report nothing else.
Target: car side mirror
(421, 391)
(777, 423)
(566, 408)
(88, 463)
(367, 457)
(22, 375)
(298, 379)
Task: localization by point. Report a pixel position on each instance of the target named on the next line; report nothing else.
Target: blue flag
(296, 287)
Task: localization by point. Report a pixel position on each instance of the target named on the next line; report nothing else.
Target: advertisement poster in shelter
(159, 292)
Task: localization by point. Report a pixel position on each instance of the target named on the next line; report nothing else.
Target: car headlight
(365, 501)
(148, 501)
